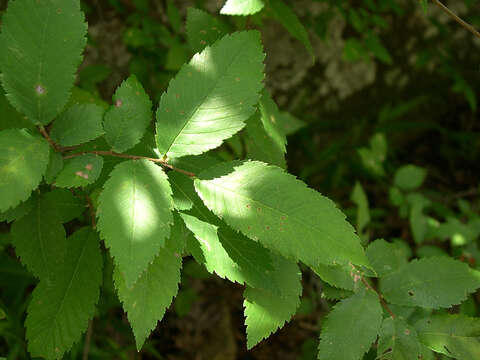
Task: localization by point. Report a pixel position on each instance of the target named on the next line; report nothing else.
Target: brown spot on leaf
(89, 167)
(118, 103)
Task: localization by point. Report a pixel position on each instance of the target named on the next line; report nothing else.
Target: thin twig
(91, 209)
(132, 157)
(380, 297)
(44, 133)
(88, 338)
(457, 18)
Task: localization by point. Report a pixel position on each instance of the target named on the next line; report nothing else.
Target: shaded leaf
(351, 327)
(126, 121)
(430, 282)
(398, 341)
(23, 161)
(456, 336)
(266, 312)
(78, 124)
(57, 315)
(203, 29)
(285, 15)
(39, 240)
(146, 301)
(41, 45)
(80, 171)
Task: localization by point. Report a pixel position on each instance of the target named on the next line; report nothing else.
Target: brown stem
(380, 297)
(44, 133)
(88, 338)
(92, 211)
(457, 18)
(132, 157)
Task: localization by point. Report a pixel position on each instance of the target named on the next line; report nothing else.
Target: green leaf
(78, 124)
(11, 118)
(339, 276)
(289, 123)
(41, 45)
(231, 255)
(203, 29)
(430, 282)
(424, 5)
(268, 142)
(363, 212)
(60, 310)
(333, 293)
(39, 239)
(351, 327)
(409, 177)
(64, 205)
(242, 7)
(456, 336)
(398, 341)
(265, 312)
(146, 301)
(386, 257)
(212, 96)
(285, 15)
(273, 207)
(55, 165)
(374, 44)
(128, 118)
(18, 212)
(135, 215)
(23, 161)
(80, 171)
(260, 146)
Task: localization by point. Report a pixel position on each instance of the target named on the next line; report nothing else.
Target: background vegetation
(386, 125)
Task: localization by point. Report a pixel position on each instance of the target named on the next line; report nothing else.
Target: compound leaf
(351, 327)
(398, 341)
(78, 124)
(265, 311)
(23, 161)
(41, 45)
(39, 239)
(146, 301)
(128, 118)
(80, 171)
(273, 207)
(212, 96)
(135, 215)
(203, 29)
(242, 7)
(60, 309)
(430, 282)
(456, 336)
